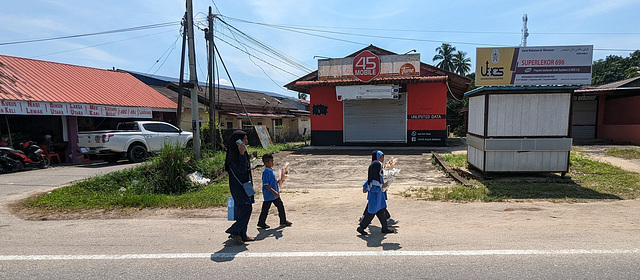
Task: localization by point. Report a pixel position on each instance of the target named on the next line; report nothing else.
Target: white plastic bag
(196, 177)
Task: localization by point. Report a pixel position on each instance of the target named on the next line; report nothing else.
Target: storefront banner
(555, 65)
(11, 107)
(362, 92)
(390, 66)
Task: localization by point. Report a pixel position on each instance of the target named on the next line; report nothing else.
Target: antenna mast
(525, 31)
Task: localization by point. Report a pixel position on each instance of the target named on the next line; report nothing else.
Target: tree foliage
(615, 68)
(461, 63)
(445, 55)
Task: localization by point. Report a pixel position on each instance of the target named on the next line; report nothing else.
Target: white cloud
(224, 82)
(596, 8)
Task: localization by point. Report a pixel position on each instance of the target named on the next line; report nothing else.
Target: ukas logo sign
(556, 65)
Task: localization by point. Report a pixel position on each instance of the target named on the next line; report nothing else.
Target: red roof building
(377, 97)
(39, 98)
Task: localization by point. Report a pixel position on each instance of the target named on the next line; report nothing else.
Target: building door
(584, 118)
(375, 120)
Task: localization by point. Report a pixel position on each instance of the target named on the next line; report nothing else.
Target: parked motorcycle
(26, 154)
(8, 164)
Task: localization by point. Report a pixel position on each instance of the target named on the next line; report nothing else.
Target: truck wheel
(137, 153)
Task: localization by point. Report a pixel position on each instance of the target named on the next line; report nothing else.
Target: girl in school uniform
(376, 197)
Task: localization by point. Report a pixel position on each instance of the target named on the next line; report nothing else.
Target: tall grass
(160, 182)
(586, 180)
(624, 153)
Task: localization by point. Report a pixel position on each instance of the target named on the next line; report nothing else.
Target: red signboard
(366, 66)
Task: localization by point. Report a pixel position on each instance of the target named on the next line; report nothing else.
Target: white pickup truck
(133, 140)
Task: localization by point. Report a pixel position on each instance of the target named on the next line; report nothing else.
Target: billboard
(555, 65)
(386, 66)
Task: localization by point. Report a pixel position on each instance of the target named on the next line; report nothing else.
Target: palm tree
(461, 63)
(445, 55)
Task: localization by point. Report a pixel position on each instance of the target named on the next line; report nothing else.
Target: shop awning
(47, 88)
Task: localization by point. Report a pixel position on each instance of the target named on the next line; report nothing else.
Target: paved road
(435, 240)
(36, 180)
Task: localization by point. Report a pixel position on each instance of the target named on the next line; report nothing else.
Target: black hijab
(232, 148)
(375, 167)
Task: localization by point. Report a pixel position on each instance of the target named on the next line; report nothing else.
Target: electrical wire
(169, 50)
(224, 41)
(232, 84)
(435, 31)
(137, 28)
(264, 46)
(294, 28)
(97, 45)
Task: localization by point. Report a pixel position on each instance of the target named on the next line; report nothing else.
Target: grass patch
(160, 182)
(587, 180)
(624, 153)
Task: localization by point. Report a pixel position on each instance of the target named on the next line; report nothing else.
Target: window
(277, 122)
(166, 128)
(151, 127)
(229, 125)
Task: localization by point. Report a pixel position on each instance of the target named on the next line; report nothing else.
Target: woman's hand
(242, 149)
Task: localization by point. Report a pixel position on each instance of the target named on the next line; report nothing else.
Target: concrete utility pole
(181, 83)
(212, 83)
(193, 79)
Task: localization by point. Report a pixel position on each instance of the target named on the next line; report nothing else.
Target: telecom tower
(525, 31)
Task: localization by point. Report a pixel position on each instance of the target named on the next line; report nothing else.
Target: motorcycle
(8, 164)
(27, 154)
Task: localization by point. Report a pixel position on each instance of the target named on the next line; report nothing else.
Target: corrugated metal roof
(512, 88)
(37, 80)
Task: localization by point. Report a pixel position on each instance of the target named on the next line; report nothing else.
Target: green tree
(461, 63)
(445, 56)
(615, 68)
(455, 119)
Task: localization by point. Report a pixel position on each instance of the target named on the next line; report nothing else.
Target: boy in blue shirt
(271, 193)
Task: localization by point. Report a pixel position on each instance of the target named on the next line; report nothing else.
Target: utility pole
(525, 31)
(212, 96)
(181, 84)
(193, 79)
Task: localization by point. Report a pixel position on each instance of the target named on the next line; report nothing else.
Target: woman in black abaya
(237, 164)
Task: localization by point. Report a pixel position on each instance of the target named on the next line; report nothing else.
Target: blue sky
(398, 26)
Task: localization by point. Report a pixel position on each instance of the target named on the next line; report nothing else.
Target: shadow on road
(375, 239)
(228, 252)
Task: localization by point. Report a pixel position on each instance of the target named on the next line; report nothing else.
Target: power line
(102, 44)
(137, 28)
(295, 28)
(292, 61)
(435, 31)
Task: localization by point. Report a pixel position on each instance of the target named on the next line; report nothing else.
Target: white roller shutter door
(375, 120)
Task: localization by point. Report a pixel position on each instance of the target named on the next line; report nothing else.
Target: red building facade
(391, 109)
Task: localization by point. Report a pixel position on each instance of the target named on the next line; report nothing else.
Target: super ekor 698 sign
(366, 66)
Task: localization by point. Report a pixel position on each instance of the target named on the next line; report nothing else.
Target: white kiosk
(520, 128)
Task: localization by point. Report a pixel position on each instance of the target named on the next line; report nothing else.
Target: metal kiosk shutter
(375, 120)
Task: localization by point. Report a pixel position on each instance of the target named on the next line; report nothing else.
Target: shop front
(46, 101)
(378, 97)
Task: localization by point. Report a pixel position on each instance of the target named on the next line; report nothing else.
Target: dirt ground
(324, 181)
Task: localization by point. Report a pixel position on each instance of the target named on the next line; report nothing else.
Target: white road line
(313, 254)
